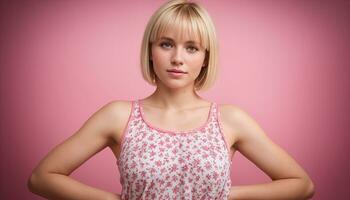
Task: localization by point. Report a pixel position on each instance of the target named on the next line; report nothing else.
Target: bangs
(190, 21)
(186, 21)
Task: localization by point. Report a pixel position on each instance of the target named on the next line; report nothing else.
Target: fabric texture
(161, 164)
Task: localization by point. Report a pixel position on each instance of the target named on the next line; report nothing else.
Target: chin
(177, 85)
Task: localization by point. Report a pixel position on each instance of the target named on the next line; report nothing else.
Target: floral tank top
(160, 164)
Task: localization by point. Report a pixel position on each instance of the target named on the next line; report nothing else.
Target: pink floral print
(160, 164)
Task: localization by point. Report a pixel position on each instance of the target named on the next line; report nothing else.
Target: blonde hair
(189, 16)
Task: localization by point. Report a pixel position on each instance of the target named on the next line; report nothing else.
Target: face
(172, 53)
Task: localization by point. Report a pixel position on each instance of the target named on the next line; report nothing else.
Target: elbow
(34, 182)
(310, 189)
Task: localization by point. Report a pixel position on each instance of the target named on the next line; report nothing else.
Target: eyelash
(167, 43)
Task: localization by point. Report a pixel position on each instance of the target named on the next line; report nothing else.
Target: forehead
(181, 25)
(181, 35)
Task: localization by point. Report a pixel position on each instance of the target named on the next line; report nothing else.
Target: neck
(174, 99)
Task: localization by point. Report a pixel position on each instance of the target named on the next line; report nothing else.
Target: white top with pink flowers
(160, 164)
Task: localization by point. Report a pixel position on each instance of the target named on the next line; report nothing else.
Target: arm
(289, 180)
(50, 179)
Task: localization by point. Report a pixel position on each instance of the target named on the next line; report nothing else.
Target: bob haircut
(189, 18)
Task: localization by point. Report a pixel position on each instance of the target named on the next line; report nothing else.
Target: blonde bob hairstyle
(188, 18)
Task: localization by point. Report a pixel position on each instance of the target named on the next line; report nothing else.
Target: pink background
(285, 62)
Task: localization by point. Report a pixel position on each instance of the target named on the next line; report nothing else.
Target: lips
(176, 71)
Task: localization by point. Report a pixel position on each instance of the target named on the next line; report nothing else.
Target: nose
(176, 58)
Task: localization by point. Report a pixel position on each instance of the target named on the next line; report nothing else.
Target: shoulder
(118, 107)
(115, 109)
(116, 114)
(232, 113)
(237, 120)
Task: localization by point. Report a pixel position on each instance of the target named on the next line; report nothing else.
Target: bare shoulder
(246, 130)
(97, 132)
(234, 120)
(118, 107)
(229, 111)
(119, 111)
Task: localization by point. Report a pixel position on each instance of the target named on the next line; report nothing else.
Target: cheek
(158, 57)
(196, 61)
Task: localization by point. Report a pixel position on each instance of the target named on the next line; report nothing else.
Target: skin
(173, 104)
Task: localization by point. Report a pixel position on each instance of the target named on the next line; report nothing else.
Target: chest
(179, 121)
(157, 149)
(195, 159)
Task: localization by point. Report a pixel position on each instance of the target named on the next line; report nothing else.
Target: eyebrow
(188, 42)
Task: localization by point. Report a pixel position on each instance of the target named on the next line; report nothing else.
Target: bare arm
(289, 180)
(50, 179)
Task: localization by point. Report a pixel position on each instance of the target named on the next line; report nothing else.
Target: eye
(192, 49)
(165, 45)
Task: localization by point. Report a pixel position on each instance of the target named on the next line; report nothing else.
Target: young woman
(173, 144)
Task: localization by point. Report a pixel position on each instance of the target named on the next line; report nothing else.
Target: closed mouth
(176, 71)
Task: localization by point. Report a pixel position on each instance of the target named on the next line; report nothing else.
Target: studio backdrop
(284, 62)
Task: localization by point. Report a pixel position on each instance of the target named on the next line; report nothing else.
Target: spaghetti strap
(154, 164)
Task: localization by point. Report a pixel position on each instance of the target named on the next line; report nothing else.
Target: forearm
(56, 186)
(282, 189)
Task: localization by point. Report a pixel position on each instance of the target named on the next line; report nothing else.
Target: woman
(173, 144)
